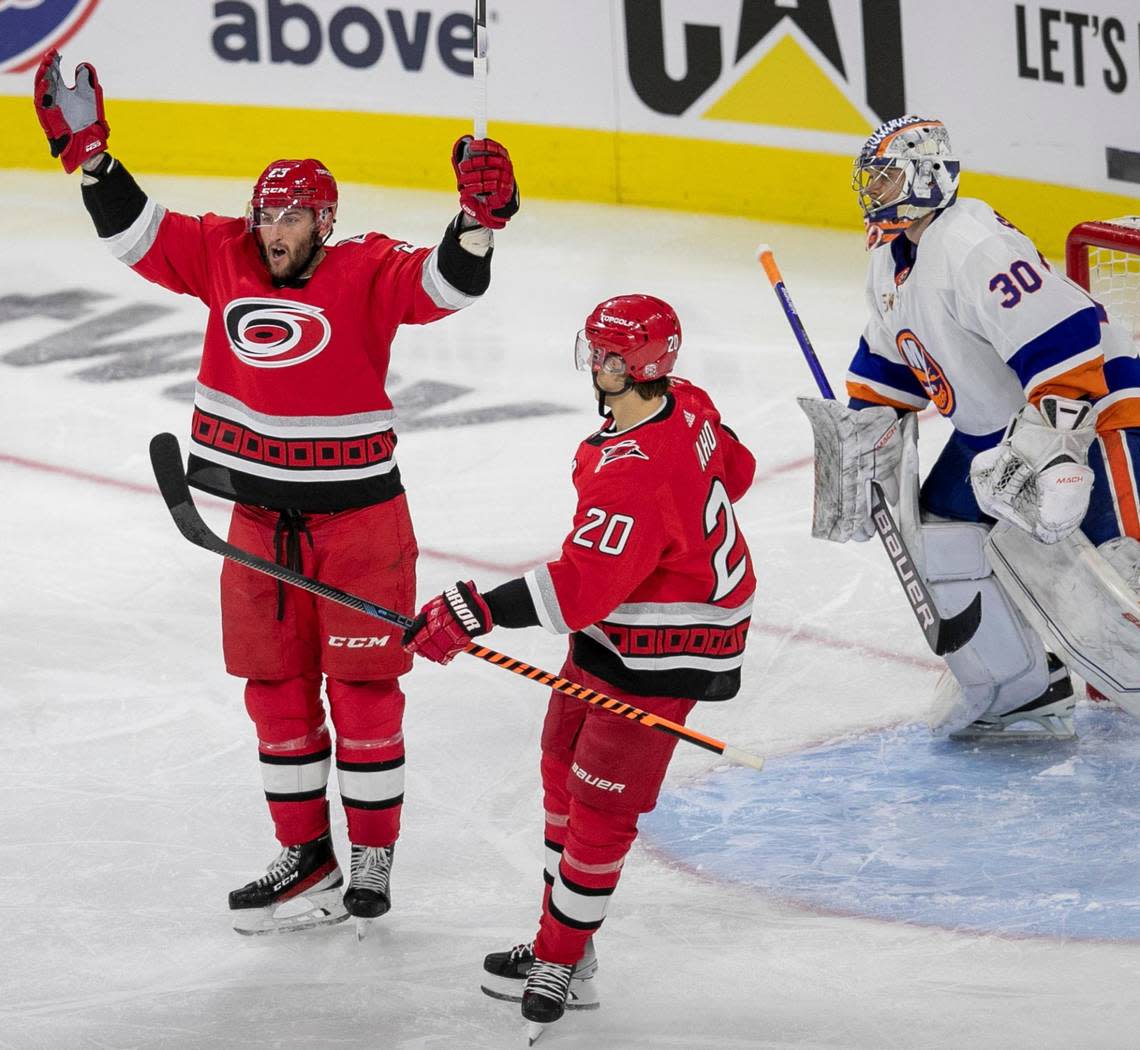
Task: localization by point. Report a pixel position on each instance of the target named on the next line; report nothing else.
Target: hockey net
(1104, 257)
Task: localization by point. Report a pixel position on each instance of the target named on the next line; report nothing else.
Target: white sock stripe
(580, 907)
(295, 779)
(553, 857)
(556, 820)
(372, 786)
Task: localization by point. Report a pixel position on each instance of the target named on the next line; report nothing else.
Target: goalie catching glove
(447, 623)
(853, 447)
(72, 117)
(1037, 476)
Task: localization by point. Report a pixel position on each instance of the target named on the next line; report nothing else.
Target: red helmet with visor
(640, 329)
(294, 184)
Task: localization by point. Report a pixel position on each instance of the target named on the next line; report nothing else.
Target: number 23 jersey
(655, 579)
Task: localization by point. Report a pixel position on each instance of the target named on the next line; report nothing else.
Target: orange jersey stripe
(865, 393)
(1084, 381)
(1125, 413)
(1121, 482)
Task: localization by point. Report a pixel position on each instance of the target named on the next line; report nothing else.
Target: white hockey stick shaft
(479, 69)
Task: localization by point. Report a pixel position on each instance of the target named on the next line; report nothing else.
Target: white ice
(131, 795)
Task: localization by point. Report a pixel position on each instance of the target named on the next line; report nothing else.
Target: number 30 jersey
(975, 321)
(655, 579)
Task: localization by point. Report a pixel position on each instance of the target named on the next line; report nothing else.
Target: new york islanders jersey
(290, 406)
(655, 579)
(974, 320)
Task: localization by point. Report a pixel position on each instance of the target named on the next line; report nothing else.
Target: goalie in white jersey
(1042, 391)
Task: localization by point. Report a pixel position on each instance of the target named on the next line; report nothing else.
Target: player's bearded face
(288, 239)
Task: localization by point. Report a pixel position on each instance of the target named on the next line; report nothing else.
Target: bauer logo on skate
(275, 333)
(927, 371)
(29, 27)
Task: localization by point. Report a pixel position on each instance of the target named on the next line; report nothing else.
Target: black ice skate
(545, 994)
(369, 895)
(505, 973)
(298, 891)
(1048, 717)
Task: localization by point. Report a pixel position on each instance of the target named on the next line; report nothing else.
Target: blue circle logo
(29, 27)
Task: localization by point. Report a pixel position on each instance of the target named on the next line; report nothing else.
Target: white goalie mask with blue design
(905, 170)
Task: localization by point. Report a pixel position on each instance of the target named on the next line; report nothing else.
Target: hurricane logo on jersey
(275, 333)
(928, 371)
(628, 449)
(28, 28)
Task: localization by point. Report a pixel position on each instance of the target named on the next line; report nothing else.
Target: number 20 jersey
(655, 579)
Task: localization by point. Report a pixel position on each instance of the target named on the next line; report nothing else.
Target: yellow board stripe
(761, 182)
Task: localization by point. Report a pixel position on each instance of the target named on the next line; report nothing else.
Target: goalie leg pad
(1004, 665)
(1082, 600)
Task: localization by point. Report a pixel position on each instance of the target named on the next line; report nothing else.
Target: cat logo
(789, 67)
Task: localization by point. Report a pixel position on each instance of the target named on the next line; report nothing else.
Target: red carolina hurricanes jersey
(655, 578)
(290, 408)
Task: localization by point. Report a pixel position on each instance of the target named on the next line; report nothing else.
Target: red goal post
(1104, 258)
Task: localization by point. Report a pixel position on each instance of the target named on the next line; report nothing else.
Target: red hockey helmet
(641, 329)
(294, 184)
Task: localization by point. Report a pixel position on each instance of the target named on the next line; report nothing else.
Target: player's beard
(298, 259)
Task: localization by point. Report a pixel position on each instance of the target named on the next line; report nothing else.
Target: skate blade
(305, 912)
(1054, 734)
(534, 1032)
(362, 927)
(583, 994)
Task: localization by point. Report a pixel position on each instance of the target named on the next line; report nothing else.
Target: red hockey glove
(486, 181)
(448, 622)
(72, 117)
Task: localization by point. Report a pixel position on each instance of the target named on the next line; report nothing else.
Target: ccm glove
(485, 178)
(447, 623)
(72, 117)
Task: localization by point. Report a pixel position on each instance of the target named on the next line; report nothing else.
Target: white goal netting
(1114, 273)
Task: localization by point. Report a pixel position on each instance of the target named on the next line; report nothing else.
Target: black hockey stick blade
(943, 634)
(166, 461)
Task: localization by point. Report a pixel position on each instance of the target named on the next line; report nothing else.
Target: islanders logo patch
(928, 371)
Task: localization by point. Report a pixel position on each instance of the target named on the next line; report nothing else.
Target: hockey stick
(479, 68)
(166, 460)
(943, 634)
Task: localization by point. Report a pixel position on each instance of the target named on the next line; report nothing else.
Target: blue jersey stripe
(1075, 334)
(872, 367)
(1120, 373)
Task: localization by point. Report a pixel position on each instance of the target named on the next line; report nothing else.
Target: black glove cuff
(112, 198)
(470, 274)
(511, 604)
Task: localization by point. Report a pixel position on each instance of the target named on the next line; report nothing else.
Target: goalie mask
(906, 170)
(293, 184)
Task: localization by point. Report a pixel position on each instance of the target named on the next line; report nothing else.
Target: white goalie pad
(1079, 603)
(1003, 666)
(853, 447)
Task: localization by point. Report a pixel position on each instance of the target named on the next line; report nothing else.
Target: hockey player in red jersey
(654, 584)
(293, 423)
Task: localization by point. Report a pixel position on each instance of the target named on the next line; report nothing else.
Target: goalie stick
(166, 460)
(943, 634)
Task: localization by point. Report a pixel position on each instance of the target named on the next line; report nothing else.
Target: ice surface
(131, 797)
